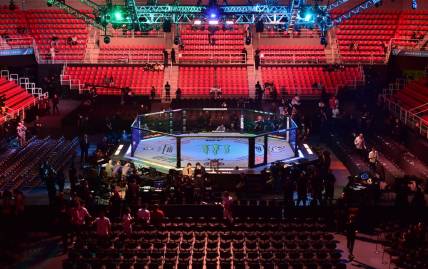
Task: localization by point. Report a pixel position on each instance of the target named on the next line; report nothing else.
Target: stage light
(197, 22)
(213, 15)
(308, 17)
(118, 15)
(414, 4)
(213, 22)
(229, 22)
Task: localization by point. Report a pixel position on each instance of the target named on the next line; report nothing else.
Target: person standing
(373, 159)
(60, 180)
(360, 144)
(173, 56)
(55, 103)
(302, 189)
(102, 225)
(47, 174)
(21, 132)
(84, 149)
(153, 93)
(127, 222)
(167, 91)
(351, 233)
(165, 58)
(157, 216)
(79, 216)
(227, 204)
(178, 94)
(143, 214)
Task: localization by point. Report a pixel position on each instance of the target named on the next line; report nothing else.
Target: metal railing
(410, 119)
(212, 57)
(289, 34)
(25, 83)
(282, 57)
(408, 44)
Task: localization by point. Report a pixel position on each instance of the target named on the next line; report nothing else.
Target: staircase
(171, 76)
(92, 51)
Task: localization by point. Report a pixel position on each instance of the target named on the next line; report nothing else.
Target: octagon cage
(221, 137)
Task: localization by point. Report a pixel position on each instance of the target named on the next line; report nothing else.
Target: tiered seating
(17, 98)
(414, 95)
(228, 45)
(411, 21)
(136, 78)
(13, 25)
(371, 31)
(45, 24)
(301, 79)
(130, 53)
(199, 80)
(209, 243)
(292, 54)
(21, 168)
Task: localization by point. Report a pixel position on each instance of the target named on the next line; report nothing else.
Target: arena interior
(213, 134)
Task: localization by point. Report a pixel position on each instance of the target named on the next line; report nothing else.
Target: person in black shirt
(167, 91)
(351, 233)
(173, 55)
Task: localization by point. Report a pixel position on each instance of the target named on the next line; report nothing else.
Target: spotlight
(197, 22)
(213, 22)
(229, 22)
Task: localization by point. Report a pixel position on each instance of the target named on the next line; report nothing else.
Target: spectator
(227, 204)
(373, 155)
(84, 149)
(79, 217)
(188, 171)
(157, 216)
(55, 103)
(173, 56)
(127, 221)
(360, 144)
(167, 91)
(60, 180)
(102, 226)
(178, 94)
(153, 93)
(143, 214)
(351, 232)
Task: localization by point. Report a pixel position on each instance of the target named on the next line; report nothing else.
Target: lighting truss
(336, 4)
(249, 14)
(354, 11)
(132, 7)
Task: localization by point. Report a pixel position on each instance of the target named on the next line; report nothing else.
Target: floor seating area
(292, 54)
(300, 79)
(197, 81)
(130, 54)
(20, 169)
(17, 98)
(139, 80)
(209, 243)
(46, 24)
(227, 48)
(370, 31)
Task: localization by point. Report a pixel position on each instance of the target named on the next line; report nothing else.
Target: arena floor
(230, 151)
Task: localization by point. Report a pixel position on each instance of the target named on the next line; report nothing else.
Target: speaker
(166, 26)
(260, 26)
